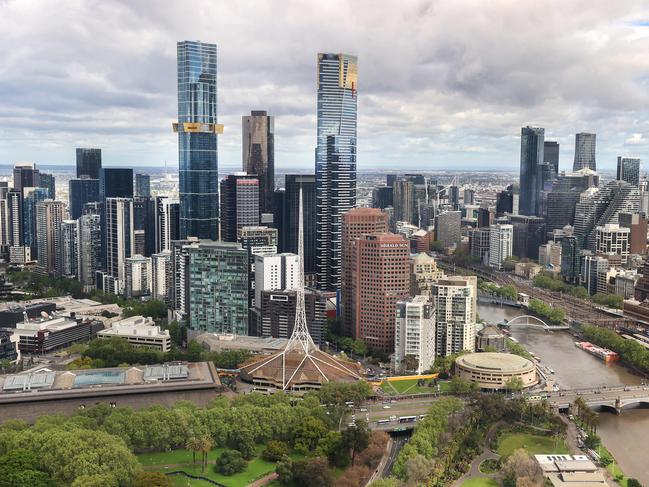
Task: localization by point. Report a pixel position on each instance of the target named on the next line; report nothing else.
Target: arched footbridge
(533, 321)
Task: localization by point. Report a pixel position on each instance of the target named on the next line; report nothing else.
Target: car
(393, 418)
(363, 410)
(386, 407)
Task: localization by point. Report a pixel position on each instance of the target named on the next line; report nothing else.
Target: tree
(230, 462)
(152, 479)
(521, 466)
(275, 450)
(331, 447)
(243, 440)
(386, 482)
(410, 362)
(356, 438)
(193, 444)
(592, 441)
(633, 483)
(418, 470)
(206, 444)
(313, 472)
(514, 384)
(19, 469)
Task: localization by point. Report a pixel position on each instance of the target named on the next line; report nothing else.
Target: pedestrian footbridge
(533, 321)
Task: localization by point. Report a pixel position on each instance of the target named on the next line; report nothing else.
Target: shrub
(274, 451)
(230, 462)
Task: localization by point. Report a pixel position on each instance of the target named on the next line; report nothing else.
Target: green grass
(160, 461)
(533, 444)
(613, 468)
(480, 482)
(409, 386)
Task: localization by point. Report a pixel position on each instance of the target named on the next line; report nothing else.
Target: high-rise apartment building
(69, 248)
(628, 169)
(197, 129)
(501, 240)
(31, 197)
(448, 228)
(167, 222)
(275, 271)
(143, 185)
(585, 152)
(414, 339)
(89, 253)
(335, 162)
(551, 154)
(180, 275)
(88, 163)
(239, 204)
(288, 237)
(277, 311)
(137, 276)
(258, 157)
(531, 156)
(80, 192)
(49, 216)
(120, 243)
(161, 276)
(479, 243)
(356, 223)
(612, 238)
(381, 277)
(218, 287)
(455, 306)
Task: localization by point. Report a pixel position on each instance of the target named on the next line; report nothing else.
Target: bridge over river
(612, 398)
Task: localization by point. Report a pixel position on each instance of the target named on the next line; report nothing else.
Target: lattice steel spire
(300, 339)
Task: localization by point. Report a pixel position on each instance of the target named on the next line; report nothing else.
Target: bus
(383, 421)
(407, 419)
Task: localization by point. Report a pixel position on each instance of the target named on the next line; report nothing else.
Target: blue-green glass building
(32, 196)
(218, 287)
(197, 130)
(335, 161)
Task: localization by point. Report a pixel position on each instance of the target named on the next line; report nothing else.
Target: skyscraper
(115, 182)
(415, 333)
(335, 160)
(501, 237)
(69, 248)
(239, 204)
(258, 144)
(88, 163)
(584, 152)
(197, 128)
(31, 198)
(49, 216)
(143, 185)
(26, 176)
(82, 191)
(551, 154)
(167, 222)
(89, 252)
(455, 302)
(48, 181)
(119, 242)
(288, 237)
(628, 169)
(531, 156)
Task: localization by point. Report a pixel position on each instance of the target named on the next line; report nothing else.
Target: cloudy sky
(442, 84)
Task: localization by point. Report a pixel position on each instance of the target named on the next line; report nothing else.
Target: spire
(300, 339)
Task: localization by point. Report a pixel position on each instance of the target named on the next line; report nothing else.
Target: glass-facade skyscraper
(258, 154)
(88, 163)
(335, 160)
(585, 152)
(531, 156)
(628, 169)
(197, 130)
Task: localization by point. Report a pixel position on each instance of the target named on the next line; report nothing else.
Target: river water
(625, 435)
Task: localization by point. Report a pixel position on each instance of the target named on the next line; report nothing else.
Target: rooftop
(504, 362)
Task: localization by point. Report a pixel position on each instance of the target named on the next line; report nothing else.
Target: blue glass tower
(32, 197)
(197, 142)
(335, 161)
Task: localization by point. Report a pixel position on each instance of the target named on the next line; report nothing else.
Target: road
(605, 396)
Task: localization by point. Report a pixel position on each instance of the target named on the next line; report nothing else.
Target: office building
(119, 242)
(89, 253)
(31, 198)
(507, 201)
(531, 156)
(637, 223)
(545, 177)
(448, 228)
(501, 241)
(9, 347)
(414, 339)
(69, 248)
(291, 203)
(479, 243)
(88, 163)
(382, 197)
(469, 196)
(277, 313)
(48, 181)
(356, 223)
(239, 204)
(139, 331)
(197, 130)
(167, 222)
(115, 182)
(138, 276)
(628, 169)
(571, 246)
(218, 287)
(81, 191)
(258, 157)
(161, 276)
(585, 152)
(424, 273)
(335, 161)
(562, 199)
(454, 299)
(593, 273)
(551, 154)
(529, 233)
(49, 216)
(612, 238)
(454, 196)
(550, 256)
(42, 335)
(144, 225)
(275, 272)
(381, 277)
(26, 175)
(143, 185)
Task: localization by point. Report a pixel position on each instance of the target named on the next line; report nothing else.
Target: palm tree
(193, 445)
(206, 444)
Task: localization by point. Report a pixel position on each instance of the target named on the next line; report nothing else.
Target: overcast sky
(442, 84)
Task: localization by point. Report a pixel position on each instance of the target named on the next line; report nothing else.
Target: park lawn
(408, 386)
(175, 457)
(533, 444)
(480, 482)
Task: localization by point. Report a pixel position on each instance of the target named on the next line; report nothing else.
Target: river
(624, 435)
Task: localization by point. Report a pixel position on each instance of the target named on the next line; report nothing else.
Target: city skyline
(436, 97)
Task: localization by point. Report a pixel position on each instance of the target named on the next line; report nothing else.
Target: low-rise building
(570, 470)
(9, 347)
(490, 339)
(527, 270)
(140, 332)
(51, 332)
(495, 371)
